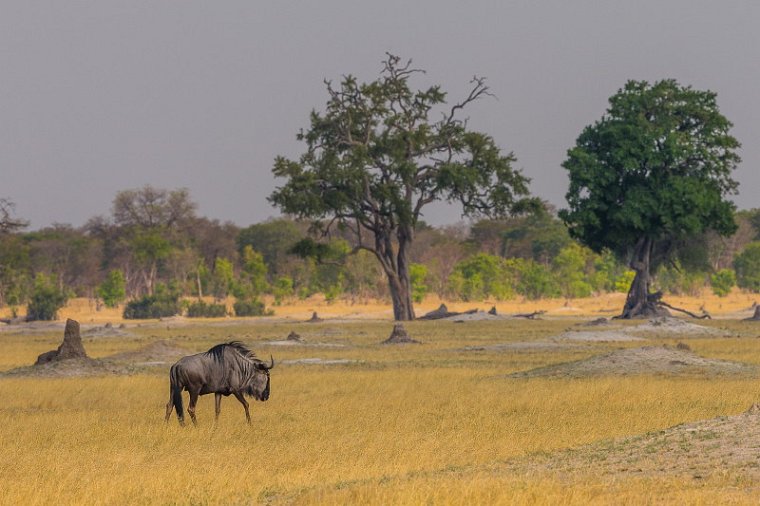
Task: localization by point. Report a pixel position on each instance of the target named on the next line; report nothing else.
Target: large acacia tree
(649, 177)
(377, 156)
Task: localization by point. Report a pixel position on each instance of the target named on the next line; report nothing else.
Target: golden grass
(326, 435)
(414, 424)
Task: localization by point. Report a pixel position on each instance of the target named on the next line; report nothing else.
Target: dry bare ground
(644, 360)
(692, 451)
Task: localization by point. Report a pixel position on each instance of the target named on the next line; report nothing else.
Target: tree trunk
(395, 263)
(401, 295)
(640, 303)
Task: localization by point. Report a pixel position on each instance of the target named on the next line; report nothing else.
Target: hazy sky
(97, 97)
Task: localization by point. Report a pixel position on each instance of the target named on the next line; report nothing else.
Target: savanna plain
(453, 419)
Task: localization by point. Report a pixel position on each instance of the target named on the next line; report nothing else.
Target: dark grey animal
(226, 369)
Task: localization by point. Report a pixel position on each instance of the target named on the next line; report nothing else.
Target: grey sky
(97, 97)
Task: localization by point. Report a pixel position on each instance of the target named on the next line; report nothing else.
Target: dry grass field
(352, 421)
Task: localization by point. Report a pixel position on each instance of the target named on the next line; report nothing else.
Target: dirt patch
(155, 353)
(106, 330)
(159, 353)
(32, 328)
(528, 346)
(597, 336)
(288, 342)
(646, 360)
(319, 361)
(70, 368)
(693, 450)
(669, 325)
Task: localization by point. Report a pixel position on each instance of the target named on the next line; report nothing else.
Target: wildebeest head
(258, 388)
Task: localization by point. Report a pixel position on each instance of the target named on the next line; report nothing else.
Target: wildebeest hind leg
(191, 406)
(242, 400)
(218, 405)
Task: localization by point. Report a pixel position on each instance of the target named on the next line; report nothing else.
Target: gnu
(226, 369)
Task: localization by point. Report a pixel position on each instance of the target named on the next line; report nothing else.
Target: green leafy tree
(15, 270)
(722, 282)
(150, 248)
(282, 289)
(149, 223)
(253, 280)
(623, 281)
(418, 274)
(569, 268)
(482, 276)
(223, 279)
(375, 158)
(747, 267)
(14, 256)
(113, 289)
(539, 236)
(46, 299)
(652, 173)
(534, 280)
(678, 280)
(273, 239)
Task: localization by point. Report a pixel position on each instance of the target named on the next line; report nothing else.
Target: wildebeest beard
(260, 395)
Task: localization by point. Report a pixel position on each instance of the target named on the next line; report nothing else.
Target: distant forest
(154, 244)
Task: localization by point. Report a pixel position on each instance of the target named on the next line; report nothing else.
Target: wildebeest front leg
(242, 400)
(191, 406)
(218, 406)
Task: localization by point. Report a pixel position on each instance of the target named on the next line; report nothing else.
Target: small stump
(492, 311)
(399, 336)
(70, 348)
(314, 318)
(596, 323)
(755, 317)
(294, 337)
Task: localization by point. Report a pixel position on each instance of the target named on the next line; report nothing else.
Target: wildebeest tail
(175, 389)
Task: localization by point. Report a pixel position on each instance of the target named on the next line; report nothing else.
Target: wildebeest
(226, 369)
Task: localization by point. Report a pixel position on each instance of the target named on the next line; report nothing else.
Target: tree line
(153, 246)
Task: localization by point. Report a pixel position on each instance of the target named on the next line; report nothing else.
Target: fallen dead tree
(443, 312)
(529, 316)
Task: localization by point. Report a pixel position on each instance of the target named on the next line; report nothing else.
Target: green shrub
(159, 305)
(113, 289)
(282, 289)
(535, 280)
(200, 309)
(722, 282)
(417, 276)
(624, 281)
(747, 267)
(46, 299)
(252, 307)
(481, 276)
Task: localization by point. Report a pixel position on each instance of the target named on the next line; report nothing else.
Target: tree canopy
(653, 173)
(376, 157)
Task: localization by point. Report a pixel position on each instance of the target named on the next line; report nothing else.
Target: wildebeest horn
(267, 367)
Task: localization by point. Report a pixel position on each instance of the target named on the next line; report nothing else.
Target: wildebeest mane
(217, 352)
